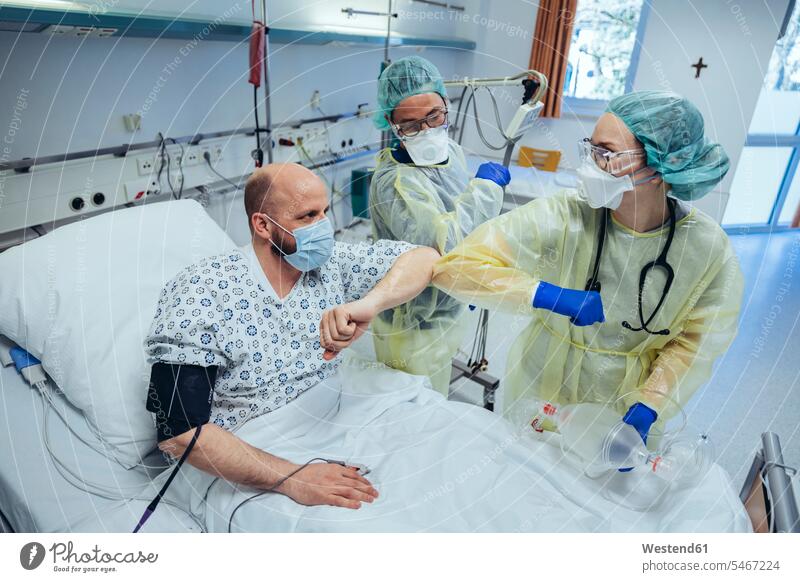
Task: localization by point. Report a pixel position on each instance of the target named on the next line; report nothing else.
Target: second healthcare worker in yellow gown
(422, 193)
(645, 315)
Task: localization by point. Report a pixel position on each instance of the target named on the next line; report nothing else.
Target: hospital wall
(77, 90)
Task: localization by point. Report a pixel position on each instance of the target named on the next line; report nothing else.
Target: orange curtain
(551, 39)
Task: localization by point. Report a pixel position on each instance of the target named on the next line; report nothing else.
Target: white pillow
(82, 298)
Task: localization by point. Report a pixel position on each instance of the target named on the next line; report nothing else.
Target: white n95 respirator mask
(428, 147)
(600, 189)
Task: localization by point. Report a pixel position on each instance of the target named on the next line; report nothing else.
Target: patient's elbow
(444, 271)
(431, 254)
(426, 256)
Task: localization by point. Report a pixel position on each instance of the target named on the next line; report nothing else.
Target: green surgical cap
(672, 131)
(403, 78)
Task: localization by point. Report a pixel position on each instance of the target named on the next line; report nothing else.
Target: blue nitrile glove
(641, 417)
(582, 307)
(497, 173)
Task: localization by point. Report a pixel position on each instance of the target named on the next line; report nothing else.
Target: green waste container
(359, 191)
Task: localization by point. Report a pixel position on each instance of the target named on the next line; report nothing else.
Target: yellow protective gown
(554, 240)
(435, 206)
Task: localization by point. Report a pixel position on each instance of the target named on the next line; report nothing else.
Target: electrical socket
(146, 165)
(315, 142)
(214, 152)
(139, 189)
(191, 158)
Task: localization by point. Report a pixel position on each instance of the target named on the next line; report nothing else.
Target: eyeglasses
(436, 118)
(606, 159)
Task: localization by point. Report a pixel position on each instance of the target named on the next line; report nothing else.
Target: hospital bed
(36, 496)
(426, 482)
(439, 465)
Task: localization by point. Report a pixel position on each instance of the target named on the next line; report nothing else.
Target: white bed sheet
(36, 498)
(439, 466)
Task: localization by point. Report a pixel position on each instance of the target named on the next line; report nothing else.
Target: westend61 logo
(65, 559)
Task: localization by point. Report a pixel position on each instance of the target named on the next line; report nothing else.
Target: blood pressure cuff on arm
(180, 395)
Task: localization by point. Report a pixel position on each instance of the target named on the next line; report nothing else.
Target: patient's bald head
(275, 186)
(289, 194)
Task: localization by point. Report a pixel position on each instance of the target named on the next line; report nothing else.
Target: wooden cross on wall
(699, 65)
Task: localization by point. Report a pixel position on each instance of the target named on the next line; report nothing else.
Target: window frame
(768, 140)
(775, 140)
(583, 107)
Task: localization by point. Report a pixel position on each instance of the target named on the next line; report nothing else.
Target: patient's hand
(344, 324)
(329, 484)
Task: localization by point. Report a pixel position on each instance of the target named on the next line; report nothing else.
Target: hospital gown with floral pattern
(222, 311)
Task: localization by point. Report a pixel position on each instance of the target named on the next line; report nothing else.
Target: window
(766, 187)
(756, 182)
(603, 50)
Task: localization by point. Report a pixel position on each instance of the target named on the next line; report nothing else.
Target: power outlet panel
(190, 158)
(146, 165)
(140, 189)
(313, 140)
(60, 190)
(214, 152)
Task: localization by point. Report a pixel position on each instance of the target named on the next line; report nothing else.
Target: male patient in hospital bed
(244, 333)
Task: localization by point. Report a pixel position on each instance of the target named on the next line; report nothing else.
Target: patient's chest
(271, 345)
(223, 312)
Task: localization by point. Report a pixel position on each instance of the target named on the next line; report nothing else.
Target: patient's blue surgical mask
(314, 245)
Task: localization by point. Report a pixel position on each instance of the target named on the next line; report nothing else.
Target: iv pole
(265, 61)
(535, 84)
(386, 62)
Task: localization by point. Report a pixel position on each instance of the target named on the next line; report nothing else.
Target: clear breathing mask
(594, 438)
(675, 458)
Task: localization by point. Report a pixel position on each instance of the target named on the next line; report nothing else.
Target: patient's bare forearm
(223, 454)
(410, 274)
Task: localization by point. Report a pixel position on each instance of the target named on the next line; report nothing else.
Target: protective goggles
(436, 118)
(608, 161)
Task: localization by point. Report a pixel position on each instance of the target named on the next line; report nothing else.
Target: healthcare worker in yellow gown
(590, 337)
(422, 193)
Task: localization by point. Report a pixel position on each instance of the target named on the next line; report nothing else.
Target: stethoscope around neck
(593, 283)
